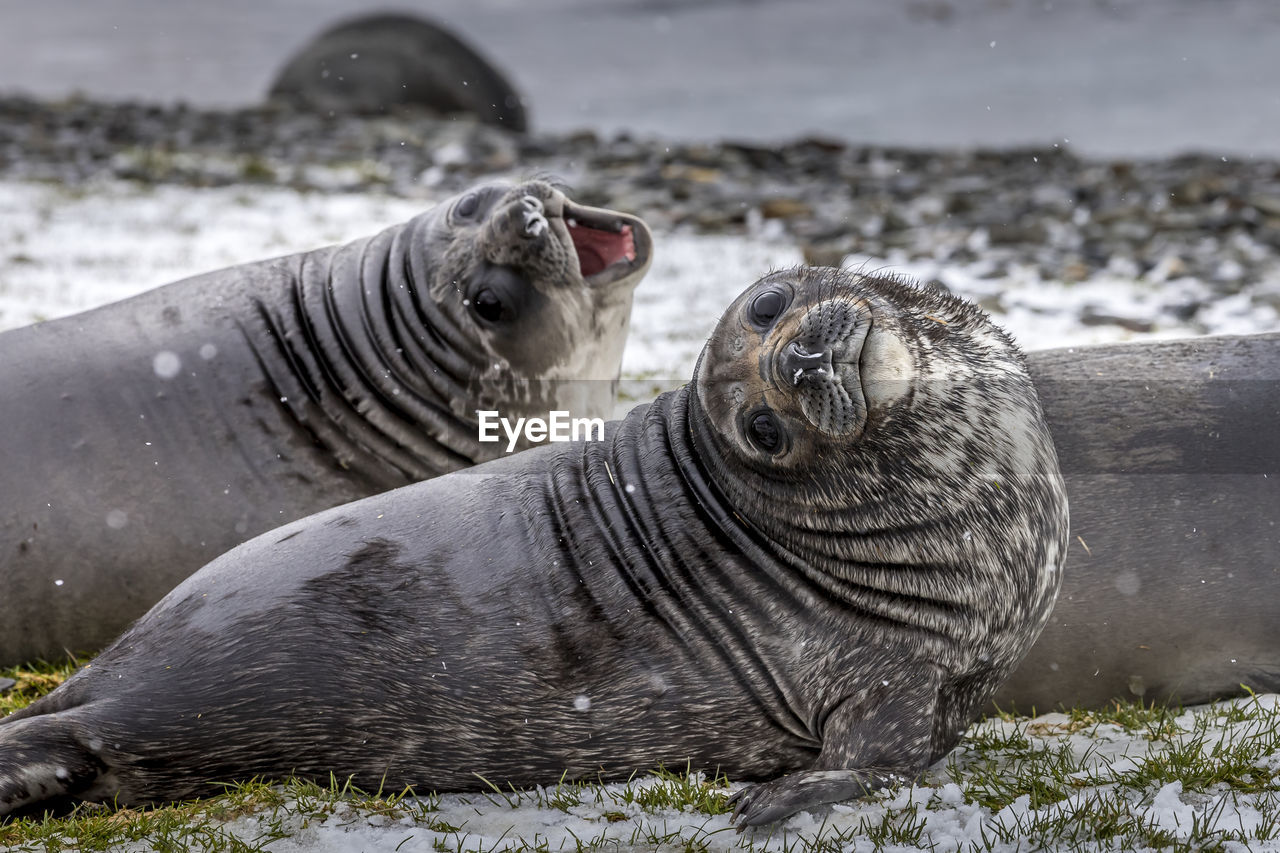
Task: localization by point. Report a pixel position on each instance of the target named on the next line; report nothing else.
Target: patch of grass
(685, 791)
(905, 827)
(255, 169)
(1045, 791)
(276, 811)
(1027, 784)
(1046, 772)
(1156, 721)
(183, 826)
(33, 681)
(1206, 756)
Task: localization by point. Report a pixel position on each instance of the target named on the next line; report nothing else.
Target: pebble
(1066, 218)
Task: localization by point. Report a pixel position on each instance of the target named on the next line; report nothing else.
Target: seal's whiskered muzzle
(535, 223)
(798, 364)
(519, 213)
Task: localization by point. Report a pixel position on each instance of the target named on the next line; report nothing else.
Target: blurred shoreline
(1109, 77)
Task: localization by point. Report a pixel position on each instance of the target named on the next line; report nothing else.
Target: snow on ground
(64, 251)
(939, 814)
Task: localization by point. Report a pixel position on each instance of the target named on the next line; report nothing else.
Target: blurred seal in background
(1171, 453)
(378, 63)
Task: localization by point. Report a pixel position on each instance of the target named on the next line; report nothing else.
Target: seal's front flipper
(42, 760)
(772, 801)
(882, 735)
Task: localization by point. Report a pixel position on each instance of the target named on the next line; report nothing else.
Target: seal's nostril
(534, 225)
(797, 362)
(531, 212)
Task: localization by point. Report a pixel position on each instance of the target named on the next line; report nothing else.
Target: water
(1124, 77)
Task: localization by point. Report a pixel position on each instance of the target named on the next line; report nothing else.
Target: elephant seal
(376, 63)
(145, 438)
(818, 558)
(1171, 454)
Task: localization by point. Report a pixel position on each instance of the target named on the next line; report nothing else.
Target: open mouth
(599, 239)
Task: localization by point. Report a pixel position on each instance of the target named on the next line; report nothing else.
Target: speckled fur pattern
(822, 616)
(156, 433)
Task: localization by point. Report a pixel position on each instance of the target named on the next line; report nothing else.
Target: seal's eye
(489, 306)
(766, 307)
(468, 205)
(764, 432)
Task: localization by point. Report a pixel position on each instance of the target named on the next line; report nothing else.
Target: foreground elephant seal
(818, 558)
(143, 439)
(376, 63)
(1171, 452)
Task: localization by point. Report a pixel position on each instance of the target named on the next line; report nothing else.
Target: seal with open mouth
(818, 558)
(146, 437)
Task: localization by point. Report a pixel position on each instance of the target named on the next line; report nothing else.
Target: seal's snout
(798, 364)
(822, 365)
(535, 221)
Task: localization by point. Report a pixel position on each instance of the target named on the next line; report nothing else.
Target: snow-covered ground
(63, 251)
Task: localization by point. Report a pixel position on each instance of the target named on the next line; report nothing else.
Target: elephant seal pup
(1171, 455)
(144, 438)
(375, 63)
(817, 558)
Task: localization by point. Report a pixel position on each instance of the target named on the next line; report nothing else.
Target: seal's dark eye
(488, 305)
(764, 432)
(766, 307)
(468, 206)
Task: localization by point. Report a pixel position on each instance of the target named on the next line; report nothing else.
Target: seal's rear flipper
(41, 761)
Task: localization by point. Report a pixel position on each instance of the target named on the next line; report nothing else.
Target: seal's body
(1171, 453)
(146, 437)
(820, 557)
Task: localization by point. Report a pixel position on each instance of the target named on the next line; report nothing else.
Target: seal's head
(542, 283)
(867, 427)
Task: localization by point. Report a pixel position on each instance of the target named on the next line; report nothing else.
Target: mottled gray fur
(837, 608)
(144, 438)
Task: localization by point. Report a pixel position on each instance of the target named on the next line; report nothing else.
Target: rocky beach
(1195, 240)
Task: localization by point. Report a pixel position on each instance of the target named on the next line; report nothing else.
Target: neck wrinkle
(376, 393)
(853, 561)
(707, 580)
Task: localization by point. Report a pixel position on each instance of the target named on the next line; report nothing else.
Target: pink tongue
(598, 249)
